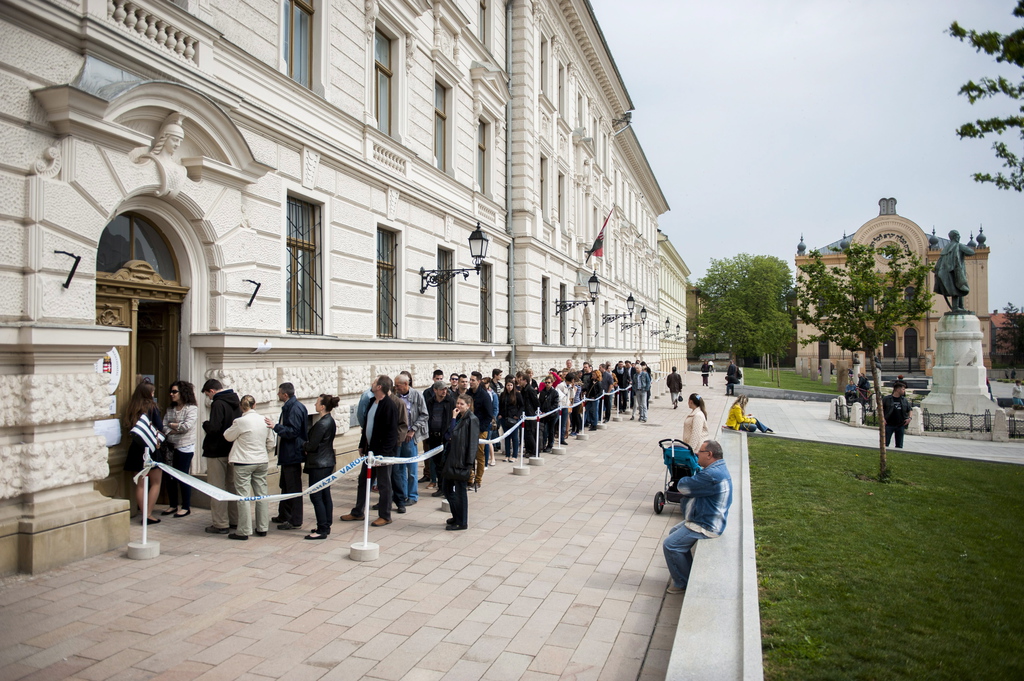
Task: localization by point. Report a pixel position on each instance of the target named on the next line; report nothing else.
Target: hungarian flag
(598, 247)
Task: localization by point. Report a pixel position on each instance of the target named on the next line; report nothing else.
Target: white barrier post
(520, 468)
(558, 447)
(537, 459)
(366, 551)
(601, 407)
(146, 549)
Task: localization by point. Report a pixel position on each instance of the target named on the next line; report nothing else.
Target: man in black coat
(531, 402)
(440, 405)
(224, 409)
(291, 432)
(380, 437)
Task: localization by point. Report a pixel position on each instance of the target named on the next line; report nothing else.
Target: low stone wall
(782, 394)
(719, 630)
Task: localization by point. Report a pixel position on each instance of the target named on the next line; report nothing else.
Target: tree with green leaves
(1010, 336)
(858, 304)
(1007, 49)
(744, 300)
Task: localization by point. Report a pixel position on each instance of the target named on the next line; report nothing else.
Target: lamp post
(668, 325)
(643, 319)
(478, 243)
(593, 285)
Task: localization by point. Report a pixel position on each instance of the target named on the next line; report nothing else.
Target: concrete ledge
(781, 394)
(719, 630)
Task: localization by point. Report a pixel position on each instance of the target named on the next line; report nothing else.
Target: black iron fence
(958, 422)
(1016, 428)
(842, 411)
(901, 365)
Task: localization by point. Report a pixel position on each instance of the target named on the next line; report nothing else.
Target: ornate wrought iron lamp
(478, 243)
(658, 332)
(592, 284)
(630, 304)
(643, 320)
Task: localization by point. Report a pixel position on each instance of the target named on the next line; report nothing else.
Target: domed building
(910, 349)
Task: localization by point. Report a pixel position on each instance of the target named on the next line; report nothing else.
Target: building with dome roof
(910, 349)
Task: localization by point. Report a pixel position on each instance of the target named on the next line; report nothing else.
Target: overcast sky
(765, 120)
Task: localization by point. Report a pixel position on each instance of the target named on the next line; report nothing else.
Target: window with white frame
(383, 82)
(298, 41)
(545, 50)
(485, 303)
(545, 323)
(563, 319)
(387, 284)
(562, 216)
(542, 172)
(440, 126)
(483, 23)
(482, 156)
(561, 92)
(445, 298)
(303, 297)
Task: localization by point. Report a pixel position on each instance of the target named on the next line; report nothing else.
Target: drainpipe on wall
(508, 195)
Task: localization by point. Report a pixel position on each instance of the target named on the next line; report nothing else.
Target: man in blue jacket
(291, 435)
(707, 497)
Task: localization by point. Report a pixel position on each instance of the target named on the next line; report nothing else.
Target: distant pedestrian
(674, 383)
(896, 411)
(705, 370)
(1017, 395)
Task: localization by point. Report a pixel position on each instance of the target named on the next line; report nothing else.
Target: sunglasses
(174, 392)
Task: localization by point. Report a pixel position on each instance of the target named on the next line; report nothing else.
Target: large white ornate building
(674, 277)
(185, 182)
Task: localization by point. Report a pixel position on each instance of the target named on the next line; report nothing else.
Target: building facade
(674, 285)
(248, 191)
(911, 349)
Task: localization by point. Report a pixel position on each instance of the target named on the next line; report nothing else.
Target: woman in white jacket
(252, 440)
(695, 425)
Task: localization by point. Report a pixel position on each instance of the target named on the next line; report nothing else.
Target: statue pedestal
(958, 378)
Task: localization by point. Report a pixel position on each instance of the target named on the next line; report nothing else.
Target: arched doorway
(910, 343)
(889, 347)
(137, 287)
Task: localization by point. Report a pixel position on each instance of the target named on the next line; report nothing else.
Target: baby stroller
(680, 462)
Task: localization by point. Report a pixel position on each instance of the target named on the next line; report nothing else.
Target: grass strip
(916, 579)
(790, 381)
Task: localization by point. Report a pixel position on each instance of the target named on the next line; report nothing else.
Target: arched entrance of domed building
(138, 287)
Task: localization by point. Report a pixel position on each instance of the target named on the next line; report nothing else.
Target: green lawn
(790, 381)
(917, 579)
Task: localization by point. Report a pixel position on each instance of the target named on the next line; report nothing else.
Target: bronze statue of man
(951, 273)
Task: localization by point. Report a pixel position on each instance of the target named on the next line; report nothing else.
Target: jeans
(290, 510)
(251, 481)
(592, 414)
(898, 430)
(458, 500)
(218, 474)
(641, 403)
(404, 490)
(512, 441)
(608, 402)
(547, 438)
(678, 548)
(323, 507)
(182, 462)
(729, 388)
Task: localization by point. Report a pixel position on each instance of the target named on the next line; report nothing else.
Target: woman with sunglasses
(180, 428)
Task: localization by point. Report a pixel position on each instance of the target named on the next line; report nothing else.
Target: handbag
(165, 453)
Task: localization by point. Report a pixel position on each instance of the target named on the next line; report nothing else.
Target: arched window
(132, 237)
(910, 343)
(908, 293)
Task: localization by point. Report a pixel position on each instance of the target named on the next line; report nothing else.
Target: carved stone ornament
(449, 226)
(393, 195)
(310, 164)
(372, 9)
(49, 165)
(410, 51)
(109, 315)
(173, 175)
(139, 272)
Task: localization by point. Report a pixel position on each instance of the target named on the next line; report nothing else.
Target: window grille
(387, 284)
(304, 268)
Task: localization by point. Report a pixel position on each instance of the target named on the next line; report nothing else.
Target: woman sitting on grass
(739, 420)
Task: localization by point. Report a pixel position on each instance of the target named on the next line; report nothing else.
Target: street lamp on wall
(630, 305)
(643, 320)
(668, 325)
(593, 285)
(478, 243)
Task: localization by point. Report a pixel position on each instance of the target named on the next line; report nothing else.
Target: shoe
(260, 533)
(476, 488)
(592, 428)
(233, 527)
(239, 537)
(425, 478)
(170, 511)
(563, 442)
(188, 511)
(216, 530)
(375, 507)
(769, 430)
(432, 485)
(314, 536)
(277, 519)
(380, 522)
(675, 406)
(152, 521)
(632, 418)
(349, 517)
(451, 521)
(672, 589)
(438, 493)
(411, 502)
(401, 509)
(288, 526)
(457, 527)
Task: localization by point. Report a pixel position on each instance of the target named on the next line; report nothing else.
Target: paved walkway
(559, 576)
